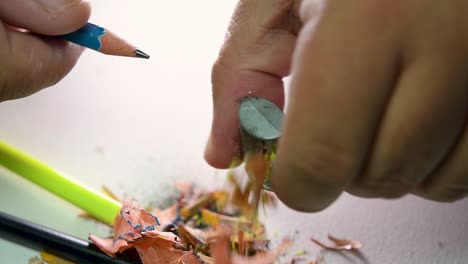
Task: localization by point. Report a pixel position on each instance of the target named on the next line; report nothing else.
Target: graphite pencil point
(141, 54)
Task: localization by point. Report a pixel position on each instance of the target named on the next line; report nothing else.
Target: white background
(138, 125)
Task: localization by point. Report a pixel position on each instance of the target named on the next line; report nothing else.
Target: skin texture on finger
(30, 63)
(422, 122)
(41, 17)
(427, 110)
(450, 181)
(344, 70)
(255, 56)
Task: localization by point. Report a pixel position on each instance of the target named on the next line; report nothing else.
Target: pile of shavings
(200, 227)
(216, 226)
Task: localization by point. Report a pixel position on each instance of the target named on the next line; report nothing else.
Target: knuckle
(218, 68)
(19, 82)
(309, 178)
(12, 85)
(391, 189)
(219, 76)
(393, 183)
(390, 178)
(328, 163)
(449, 193)
(4, 84)
(305, 190)
(285, 17)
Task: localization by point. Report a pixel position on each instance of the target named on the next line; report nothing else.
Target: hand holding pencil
(33, 52)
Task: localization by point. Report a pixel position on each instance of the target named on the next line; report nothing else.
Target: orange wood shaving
(193, 208)
(222, 252)
(339, 244)
(214, 219)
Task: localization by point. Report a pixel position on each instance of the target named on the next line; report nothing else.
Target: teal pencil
(102, 40)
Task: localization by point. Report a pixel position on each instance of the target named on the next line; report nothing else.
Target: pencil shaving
(218, 226)
(339, 244)
(47, 258)
(319, 260)
(136, 228)
(51, 259)
(187, 231)
(223, 254)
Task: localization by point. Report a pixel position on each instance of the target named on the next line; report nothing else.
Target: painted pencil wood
(102, 40)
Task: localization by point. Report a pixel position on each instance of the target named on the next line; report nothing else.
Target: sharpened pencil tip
(141, 54)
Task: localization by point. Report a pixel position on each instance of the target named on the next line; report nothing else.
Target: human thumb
(45, 17)
(31, 61)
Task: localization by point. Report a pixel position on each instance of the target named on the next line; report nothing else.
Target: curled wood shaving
(256, 167)
(222, 252)
(219, 226)
(214, 219)
(194, 207)
(47, 258)
(340, 244)
(193, 238)
(165, 216)
(136, 228)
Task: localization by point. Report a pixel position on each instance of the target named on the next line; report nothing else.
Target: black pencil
(41, 238)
